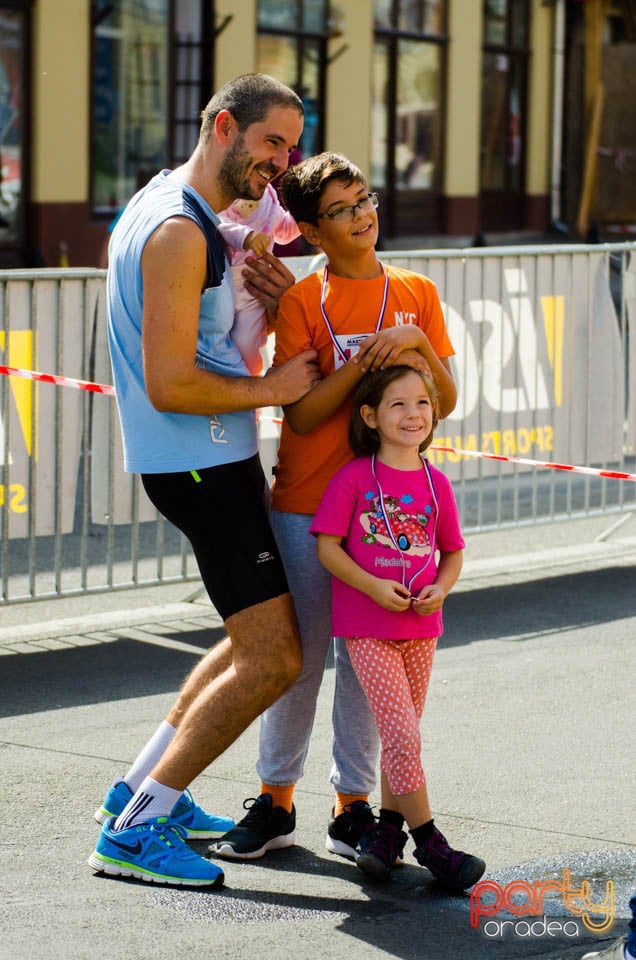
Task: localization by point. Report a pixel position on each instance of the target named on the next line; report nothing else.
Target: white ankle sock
(150, 755)
(152, 799)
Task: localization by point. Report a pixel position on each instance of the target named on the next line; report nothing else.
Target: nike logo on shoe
(134, 848)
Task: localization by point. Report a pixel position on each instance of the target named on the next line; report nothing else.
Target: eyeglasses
(345, 214)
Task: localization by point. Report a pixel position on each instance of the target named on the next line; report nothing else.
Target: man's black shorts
(222, 511)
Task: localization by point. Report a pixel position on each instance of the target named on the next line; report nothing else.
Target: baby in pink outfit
(253, 227)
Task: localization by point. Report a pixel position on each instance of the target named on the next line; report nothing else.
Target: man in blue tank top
(187, 408)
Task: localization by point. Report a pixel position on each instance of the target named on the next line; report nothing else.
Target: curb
(546, 563)
(110, 620)
(187, 616)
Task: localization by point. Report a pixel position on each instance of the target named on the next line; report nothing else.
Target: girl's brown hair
(365, 440)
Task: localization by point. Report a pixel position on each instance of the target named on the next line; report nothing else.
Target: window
(13, 127)
(292, 46)
(192, 79)
(504, 72)
(130, 97)
(152, 69)
(407, 107)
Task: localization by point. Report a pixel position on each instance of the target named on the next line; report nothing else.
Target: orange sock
(281, 796)
(344, 799)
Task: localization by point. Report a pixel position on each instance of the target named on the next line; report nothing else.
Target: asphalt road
(527, 735)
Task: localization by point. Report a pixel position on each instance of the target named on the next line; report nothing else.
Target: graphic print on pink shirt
(408, 529)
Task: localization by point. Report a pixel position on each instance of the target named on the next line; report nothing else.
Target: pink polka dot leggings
(394, 675)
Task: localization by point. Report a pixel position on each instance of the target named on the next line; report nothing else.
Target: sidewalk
(526, 735)
(493, 558)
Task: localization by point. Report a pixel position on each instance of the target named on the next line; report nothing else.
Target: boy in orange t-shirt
(358, 314)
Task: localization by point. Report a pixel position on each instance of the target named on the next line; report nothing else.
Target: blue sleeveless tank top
(156, 442)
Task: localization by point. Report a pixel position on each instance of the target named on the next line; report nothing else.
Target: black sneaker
(454, 868)
(381, 845)
(345, 830)
(263, 828)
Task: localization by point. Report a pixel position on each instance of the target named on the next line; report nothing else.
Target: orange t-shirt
(307, 463)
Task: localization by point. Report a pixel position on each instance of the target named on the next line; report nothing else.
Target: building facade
(452, 108)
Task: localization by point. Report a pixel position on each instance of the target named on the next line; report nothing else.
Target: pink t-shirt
(350, 508)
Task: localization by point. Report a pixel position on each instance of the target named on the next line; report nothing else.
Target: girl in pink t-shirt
(384, 519)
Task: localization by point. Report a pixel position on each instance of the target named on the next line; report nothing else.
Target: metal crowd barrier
(545, 368)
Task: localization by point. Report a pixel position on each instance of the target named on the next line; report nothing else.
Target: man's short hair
(303, 185)
(249, 98)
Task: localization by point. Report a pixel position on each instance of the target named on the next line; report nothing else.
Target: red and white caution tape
(58, 381)
(591, 471)
(110, 391)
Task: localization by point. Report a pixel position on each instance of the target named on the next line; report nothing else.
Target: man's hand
(292, 380)
(267, 279)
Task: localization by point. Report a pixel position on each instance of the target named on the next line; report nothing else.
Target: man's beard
(232, 175)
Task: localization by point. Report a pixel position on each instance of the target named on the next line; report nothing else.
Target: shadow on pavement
(572, 601)
(411, 917)
(126, 668)
(123, 668)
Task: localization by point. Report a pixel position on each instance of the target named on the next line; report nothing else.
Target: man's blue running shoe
(154, 851)
(198, 824)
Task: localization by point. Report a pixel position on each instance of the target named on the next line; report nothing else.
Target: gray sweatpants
(285, 728)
